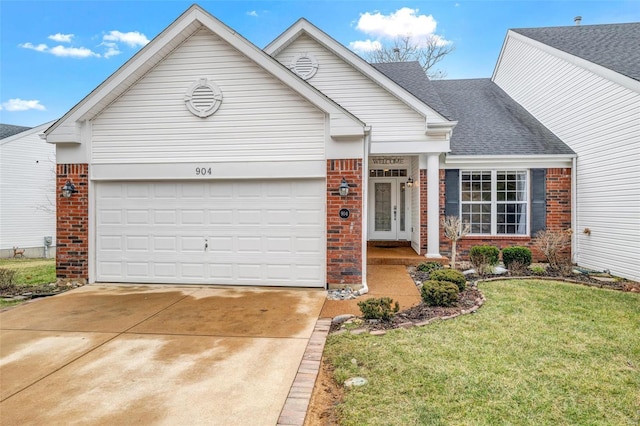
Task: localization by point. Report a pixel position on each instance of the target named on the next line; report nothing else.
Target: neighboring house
(583, 84)
(205, 159)
(27, 192)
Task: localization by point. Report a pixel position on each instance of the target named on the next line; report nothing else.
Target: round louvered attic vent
(305, 65)
(203, 98)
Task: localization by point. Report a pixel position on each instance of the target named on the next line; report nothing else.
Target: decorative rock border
(410, 324)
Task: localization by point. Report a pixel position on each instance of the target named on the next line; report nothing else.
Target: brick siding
(344, 236)
(72, 223)
(558, 217)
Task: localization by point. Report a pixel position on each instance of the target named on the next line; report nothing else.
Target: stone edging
(409, 324)
(295, 407)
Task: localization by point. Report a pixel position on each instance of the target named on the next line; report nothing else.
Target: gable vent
(203, 98)
(305, 65)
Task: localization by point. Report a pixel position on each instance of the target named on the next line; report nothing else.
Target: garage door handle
(206, 244)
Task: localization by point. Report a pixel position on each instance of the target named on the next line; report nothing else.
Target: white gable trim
(343, 123)
(498, 161)
(599, 70)
(302, 26)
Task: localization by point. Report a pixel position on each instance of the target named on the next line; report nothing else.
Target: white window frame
(494, 200)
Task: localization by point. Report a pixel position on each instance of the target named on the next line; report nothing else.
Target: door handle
(395, 212)
(206, 244)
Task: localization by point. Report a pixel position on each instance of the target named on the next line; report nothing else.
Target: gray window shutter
(452, 192)
(538, 200)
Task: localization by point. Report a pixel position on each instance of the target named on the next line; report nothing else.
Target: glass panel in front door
(383, 206)
(402, 204)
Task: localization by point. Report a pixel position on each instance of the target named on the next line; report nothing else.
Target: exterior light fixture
(409, 182)
(68, 189)
(344, 188)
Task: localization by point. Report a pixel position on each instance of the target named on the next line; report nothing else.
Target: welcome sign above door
(389, 162)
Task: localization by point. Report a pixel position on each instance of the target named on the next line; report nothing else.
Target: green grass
(537, 353)
(31, 271)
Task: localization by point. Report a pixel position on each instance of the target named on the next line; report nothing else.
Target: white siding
(27, 191)
(600, 120)
(390, 119)
(260, 118)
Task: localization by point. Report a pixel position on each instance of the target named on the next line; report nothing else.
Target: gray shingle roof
(412, 78)
(492, 123)
(7, 130)
(614, 46)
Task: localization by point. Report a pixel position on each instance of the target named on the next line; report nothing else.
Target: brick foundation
(72, 224)
(558, 217)
(344, 236)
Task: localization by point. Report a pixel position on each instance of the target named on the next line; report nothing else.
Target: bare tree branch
(405, 49)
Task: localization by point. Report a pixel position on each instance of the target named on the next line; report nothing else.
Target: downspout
(574, 208)
(365, 209)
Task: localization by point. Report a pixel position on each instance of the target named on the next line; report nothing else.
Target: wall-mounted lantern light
(68, 189)
(410, 182)
(344, 188)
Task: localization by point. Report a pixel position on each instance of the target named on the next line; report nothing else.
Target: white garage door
(268, 232)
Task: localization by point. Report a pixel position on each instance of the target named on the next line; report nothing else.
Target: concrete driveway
(179, 355)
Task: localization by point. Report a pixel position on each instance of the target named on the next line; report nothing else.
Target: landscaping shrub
(428, 266)
(439, 293)
(521, 255)
(7, 277)
(555, 246)
(483, 258)
(378, 308)
(450, 275)
(538, 270)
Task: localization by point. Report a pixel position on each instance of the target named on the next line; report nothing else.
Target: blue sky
(53, 53)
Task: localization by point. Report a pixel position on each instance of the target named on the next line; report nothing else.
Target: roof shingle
(7, 130)
(614, 46)
(492, 123)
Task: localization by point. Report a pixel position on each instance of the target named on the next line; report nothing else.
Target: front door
(388, 212)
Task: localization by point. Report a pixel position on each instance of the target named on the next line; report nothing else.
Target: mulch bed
(472, 299)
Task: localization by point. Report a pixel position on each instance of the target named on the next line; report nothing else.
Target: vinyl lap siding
(260, 119)
(27, 192)
(600, 120)
(391, 119)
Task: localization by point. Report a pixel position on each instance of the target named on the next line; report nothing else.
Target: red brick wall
(72, 223)
(558, 185)
(424, 211)
(344, 236)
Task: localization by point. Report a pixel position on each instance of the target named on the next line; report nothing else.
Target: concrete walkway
(109, 354)
(384, 281)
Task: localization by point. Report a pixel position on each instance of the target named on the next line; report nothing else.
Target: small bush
(7, 279)
(517, 268)
(378, 308)
(429, 266)
(555, 245)
(522, 255)
(439, 293)
(483, 258)
(538, 270)
(450, 275)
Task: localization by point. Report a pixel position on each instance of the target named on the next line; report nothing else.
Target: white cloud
(365, 45)
(112, 49)
(64, 51)
(72, 52)
(18, 104)
(252, 13)
(131, 39)
(40, 48)
(402, 22)
(61, 38)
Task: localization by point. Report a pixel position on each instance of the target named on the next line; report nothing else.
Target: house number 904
(203, 171)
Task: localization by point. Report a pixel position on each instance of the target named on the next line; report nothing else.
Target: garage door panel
(256, 233)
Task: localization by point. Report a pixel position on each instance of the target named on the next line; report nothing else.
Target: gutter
(574, 213)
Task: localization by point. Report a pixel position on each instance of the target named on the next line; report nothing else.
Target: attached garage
(239, 232)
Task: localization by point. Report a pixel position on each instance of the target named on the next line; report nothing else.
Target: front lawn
(537, 353)
(28, 275)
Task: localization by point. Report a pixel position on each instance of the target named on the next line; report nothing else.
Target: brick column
(558, 182)
(344, 236)
(72, 223)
